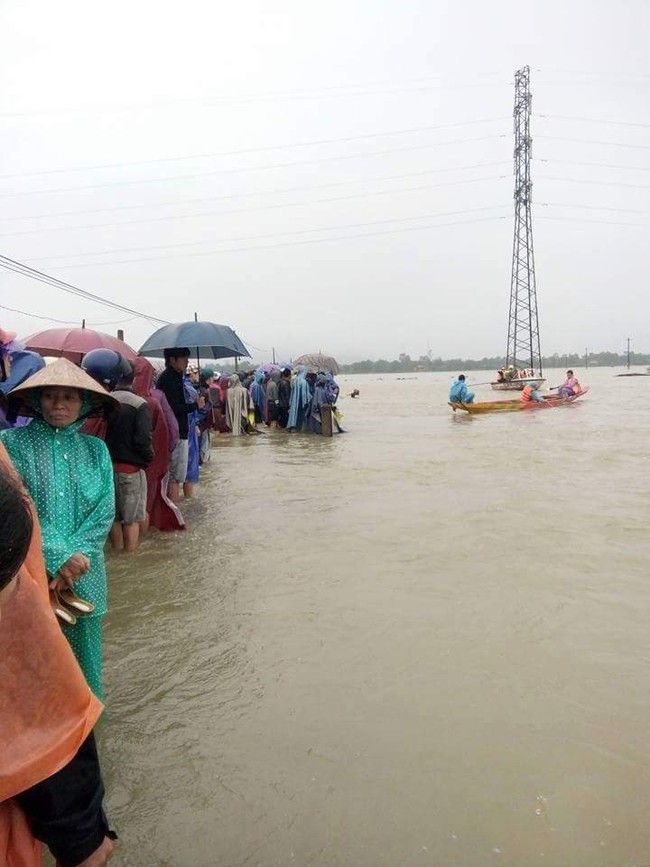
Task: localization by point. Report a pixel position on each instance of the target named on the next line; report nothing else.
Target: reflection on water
(423, 642)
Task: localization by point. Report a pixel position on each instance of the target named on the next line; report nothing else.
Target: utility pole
(523, 325)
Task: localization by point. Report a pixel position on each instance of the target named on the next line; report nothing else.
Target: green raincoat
(69, 475)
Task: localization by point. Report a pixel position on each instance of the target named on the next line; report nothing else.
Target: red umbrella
(74, 343)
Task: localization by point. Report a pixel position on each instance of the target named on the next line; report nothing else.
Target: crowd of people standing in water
(89, 452)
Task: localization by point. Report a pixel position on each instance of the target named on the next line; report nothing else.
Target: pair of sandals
(68, 606)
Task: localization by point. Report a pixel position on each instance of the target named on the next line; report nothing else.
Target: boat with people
(517, 404)
(512, 378)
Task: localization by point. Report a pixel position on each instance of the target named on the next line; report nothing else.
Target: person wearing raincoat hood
(22, 364)
(237, 405)
(69, 476)
(16, 365)
(300, 401)
(258, 396)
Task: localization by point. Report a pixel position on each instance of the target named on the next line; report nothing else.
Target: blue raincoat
(258, 396)
(193, 439)
(300, 401)
(458, 392)
(23, 365)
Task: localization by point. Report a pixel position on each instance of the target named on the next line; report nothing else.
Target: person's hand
(100, 856)
(58, 583)
(73, 568)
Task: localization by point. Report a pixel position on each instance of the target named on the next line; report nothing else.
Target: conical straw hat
(64, 374)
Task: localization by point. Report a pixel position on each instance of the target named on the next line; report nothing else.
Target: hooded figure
(300, 401)
(332, 387)
(162, 513)
(194, 419)
(69, 476)
(23, 364)
(458, 393)
(237, 405)
(258, 396)
(322, 396)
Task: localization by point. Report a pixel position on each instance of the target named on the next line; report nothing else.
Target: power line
(256, 348)
(614, 144)
(36, 316)
(65, 321)
(335, 228)
(27, 271)
(594, 222)
(339, 91)
(594, 73)
(256, 150)
(250, 168)
(596, 165)
(593, 181)
(593, 120)
(256, 193)
(593, 208)
(198, 214)
(289, 243)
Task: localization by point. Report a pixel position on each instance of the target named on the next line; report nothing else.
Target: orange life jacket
(527, 393)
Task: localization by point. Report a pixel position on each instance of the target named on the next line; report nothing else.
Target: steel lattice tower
(523, 325)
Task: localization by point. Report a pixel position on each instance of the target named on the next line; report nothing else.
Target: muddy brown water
(423, 642)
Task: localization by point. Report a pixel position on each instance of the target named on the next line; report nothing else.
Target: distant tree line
(406, 364)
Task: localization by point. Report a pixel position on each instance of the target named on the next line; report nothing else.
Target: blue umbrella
(205, 338)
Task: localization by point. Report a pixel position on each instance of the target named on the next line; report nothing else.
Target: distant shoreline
(424, 364)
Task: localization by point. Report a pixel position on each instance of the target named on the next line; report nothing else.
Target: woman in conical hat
(69, 476)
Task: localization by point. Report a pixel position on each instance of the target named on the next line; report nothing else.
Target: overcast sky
(332, 176)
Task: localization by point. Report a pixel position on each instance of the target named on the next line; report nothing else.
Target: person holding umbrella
(170, 382)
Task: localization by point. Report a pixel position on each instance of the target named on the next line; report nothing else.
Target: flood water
(423, 642)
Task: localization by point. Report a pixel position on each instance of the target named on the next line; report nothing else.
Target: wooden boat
(550, 400)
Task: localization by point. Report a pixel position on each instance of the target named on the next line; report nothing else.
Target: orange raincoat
(46, 707)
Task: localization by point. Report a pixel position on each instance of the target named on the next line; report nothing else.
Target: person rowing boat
(458, 393)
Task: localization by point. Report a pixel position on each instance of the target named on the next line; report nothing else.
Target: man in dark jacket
(129, 440)
(130, 443)
(284, 397)
(170, 382)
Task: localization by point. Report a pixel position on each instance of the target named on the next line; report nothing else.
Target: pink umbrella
(74, 343)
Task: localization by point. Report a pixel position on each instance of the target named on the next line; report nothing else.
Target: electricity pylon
(523, 325)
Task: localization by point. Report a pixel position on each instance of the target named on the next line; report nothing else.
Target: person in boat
(459, 393)
(531, 393)
(570, 386)
(501, 376)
